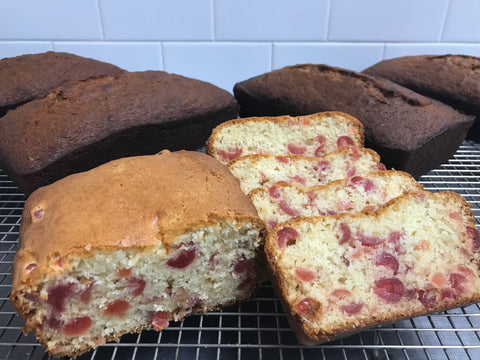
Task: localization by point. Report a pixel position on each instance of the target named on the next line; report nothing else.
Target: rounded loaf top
(26, 77)
(133, 202)
(82, 113)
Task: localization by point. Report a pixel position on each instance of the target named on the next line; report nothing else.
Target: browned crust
(131, 203)
(345, 151)
(305, 333)
(283, 120)
(336, 183)
(26, 77)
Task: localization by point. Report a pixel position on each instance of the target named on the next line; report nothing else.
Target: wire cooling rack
(258, 329)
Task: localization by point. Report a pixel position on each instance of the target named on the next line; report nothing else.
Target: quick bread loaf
(410, 132)
(340, 274)
(282, 202)
(309, 135)
(254, 171)
(131, 245)
(452, 79)
(31, 76)
(84, 124)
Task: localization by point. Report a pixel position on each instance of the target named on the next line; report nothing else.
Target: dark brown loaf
(84, 124)
(452, 79)
(27, 77)
(410, 132)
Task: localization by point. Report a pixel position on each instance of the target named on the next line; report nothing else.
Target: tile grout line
(444, 23)
(327, 25)
(102, 30)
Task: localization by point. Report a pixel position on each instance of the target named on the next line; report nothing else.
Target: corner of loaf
(150, 243)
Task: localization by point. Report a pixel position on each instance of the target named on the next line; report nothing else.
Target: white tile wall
(225, 41)
(248, 20)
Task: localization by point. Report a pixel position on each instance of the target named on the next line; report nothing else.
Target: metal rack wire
(258, 329)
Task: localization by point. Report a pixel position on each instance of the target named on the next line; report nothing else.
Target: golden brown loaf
(125, 246)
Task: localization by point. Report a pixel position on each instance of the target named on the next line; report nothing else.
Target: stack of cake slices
(350, 244)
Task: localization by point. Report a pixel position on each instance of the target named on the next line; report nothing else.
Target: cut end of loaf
(418, 254)
(114, 292)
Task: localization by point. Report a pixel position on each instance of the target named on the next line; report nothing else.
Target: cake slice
(255, 171)
(310, 135)
(131, 245)
(338, 274)
(282, 202)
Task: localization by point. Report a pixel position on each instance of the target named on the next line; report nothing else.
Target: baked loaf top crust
(454, 79)
(26, 77)
(309, 135)
(81, 113)
(129, 203)
(393, 116)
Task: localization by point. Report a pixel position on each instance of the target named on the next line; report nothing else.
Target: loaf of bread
(28, 77)
(310, 135)
(281, 202)
(133, 244)
(409, 131)
(87, 123)
(339, 274)
(452, 79)
(256, 171)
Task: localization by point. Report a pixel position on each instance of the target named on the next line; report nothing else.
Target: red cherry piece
(54, 323)
(394, 239)
(340, 293)
(304, 274)
(287, 236)
(454, 215)
(387, 260)
(321, 145)
(246, 284)
(38, 214)
(242, 265)
(465, 271)
(359, 182)
(308, 307)
(473, 234)
(116, 308)
(354, 154)
(447, 294)
(86, 294)
(351, 171)
(274, 192)
(352, 309)
(282, 159)
(58, 294)
(296, 149)
(298, 179)
(344, 232)
(77, 326)
(271, 224)
(312, 196)
(369, 240)
(343, 141)
(427, 298)
(31, 267)
(160, 320)
(136, 285)
(381, 166)
(230, 155)
(287, 209)
(323, 166)
(184, 256)
(456, 281)
(389, 289)
(124, 273)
